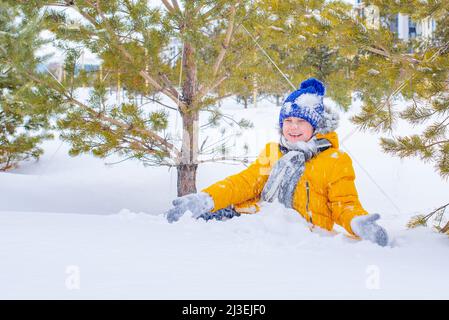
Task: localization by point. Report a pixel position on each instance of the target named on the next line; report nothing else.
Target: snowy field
(75, 228)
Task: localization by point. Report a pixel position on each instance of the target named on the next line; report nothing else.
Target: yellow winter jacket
(325, 194)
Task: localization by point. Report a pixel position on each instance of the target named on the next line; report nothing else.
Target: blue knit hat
(305, 103)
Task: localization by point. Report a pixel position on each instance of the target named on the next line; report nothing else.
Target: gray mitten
(197, 203)
(367, 228)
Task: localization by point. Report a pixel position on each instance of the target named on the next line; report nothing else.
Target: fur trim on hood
(329, 122)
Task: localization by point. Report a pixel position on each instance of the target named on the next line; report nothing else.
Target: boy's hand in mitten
(366, 228)
(197, 203)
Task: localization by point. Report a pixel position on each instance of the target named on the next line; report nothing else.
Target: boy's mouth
(295, 135)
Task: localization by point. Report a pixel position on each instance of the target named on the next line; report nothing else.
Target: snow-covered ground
(77, 228)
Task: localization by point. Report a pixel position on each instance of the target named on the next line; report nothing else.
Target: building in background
(401, 24)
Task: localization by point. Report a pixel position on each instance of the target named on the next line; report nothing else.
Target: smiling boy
(305, 171)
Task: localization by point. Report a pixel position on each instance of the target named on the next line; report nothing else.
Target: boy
(305, 171)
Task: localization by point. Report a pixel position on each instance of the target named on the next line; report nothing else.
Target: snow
(309, 100)
(287, 107)
(75, 228)
(270, 255)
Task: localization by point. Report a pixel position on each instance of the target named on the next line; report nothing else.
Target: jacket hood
(329, 122)
(326, 127)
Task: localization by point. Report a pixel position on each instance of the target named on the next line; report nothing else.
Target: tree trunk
(186, 178)
(187, 168)
(118, 88)
(255, 92)
(189, 151)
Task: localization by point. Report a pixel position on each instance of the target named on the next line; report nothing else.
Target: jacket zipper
(307, 201)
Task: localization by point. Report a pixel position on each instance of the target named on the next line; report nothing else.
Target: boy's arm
(342, 193)
(246, 184)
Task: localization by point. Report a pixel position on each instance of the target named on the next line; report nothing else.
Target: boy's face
(296, 129)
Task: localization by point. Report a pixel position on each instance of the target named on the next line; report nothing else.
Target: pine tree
(134, 39)
(418, 71)
(222, 49)
(318, 38)
(216, 50)
(22, 124)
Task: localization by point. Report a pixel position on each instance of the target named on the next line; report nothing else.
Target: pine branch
(242, 160)
(176, 5)
(120, 161)
(168, 84)
(415, 114)
(437, 129)
(395, 58)
(225, 44)
(168, 6)
(145, 132)
(445, 229)
(206, 15)
(223, 141)
(169, 148)
(217, 99)
(436, 143)
(136, 144)
(170, 92)
(421, 220)
(158, 102)
(204, 90)
(164, 90)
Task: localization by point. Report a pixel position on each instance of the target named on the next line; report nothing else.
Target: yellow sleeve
(342, 193)
(246, 184)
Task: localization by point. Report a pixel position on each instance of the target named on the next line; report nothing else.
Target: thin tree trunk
(118, 88)
(187, 168)
(278, 100)
(255, 92)
(186, 178)
(189, 151)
